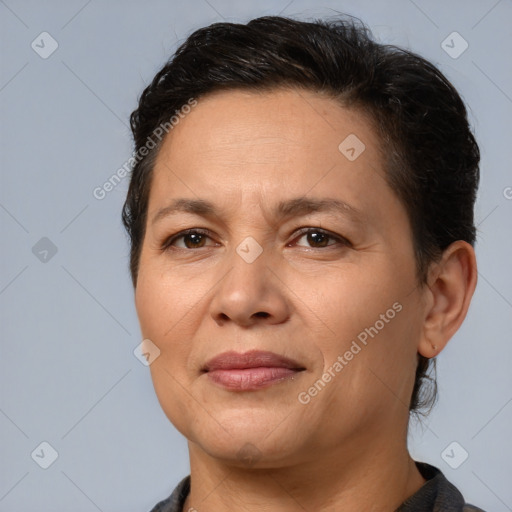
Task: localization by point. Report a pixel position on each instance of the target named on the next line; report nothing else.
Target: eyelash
(167, 244)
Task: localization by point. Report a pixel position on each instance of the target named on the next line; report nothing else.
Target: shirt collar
(436, 494)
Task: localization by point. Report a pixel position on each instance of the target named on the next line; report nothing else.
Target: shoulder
(436, 494)
(176, 501)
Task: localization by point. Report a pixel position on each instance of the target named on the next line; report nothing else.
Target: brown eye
(318, 238)
(191, 239)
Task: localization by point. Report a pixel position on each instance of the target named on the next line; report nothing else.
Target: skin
(303, 299)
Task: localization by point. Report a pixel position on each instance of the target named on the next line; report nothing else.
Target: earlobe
(451, 284)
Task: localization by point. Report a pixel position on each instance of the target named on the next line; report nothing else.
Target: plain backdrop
(71, 73)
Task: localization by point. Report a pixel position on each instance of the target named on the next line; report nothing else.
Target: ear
(450, 286)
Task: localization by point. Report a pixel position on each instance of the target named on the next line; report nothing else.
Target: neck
(378, 477)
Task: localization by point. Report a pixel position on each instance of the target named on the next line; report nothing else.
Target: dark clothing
(436, 495)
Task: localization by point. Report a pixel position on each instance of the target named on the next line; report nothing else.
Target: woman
(301, 222)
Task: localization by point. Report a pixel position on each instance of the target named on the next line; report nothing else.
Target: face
(298, 262)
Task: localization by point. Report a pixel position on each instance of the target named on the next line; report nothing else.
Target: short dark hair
(430, 155)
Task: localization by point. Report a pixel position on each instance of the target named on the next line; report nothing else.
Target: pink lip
(251, 370)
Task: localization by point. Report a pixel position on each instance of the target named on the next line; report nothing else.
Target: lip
(250, 370)
(252, 359)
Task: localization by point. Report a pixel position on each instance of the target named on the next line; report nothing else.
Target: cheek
(162, 313)
(152, 308)
(370, 343)
(163, 300)
(354, 304)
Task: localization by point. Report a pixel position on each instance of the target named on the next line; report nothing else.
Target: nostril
(262, 314)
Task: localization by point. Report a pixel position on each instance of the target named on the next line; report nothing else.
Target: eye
(196, 239)
(192, 239)
(319, 238)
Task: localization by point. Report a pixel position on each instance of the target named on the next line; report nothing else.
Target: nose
(250, 293)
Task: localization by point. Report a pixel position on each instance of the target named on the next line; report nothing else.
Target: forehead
(240, 146)
(239, 120)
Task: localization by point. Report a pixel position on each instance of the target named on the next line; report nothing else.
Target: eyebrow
(296, 207)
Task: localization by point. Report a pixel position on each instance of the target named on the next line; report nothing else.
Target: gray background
(68, 325)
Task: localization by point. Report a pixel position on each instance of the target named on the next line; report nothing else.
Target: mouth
(251, 370)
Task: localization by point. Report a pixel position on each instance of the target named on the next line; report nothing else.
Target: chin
(245, 450)
(244, 443)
